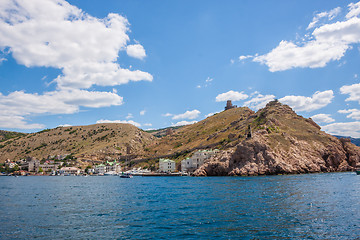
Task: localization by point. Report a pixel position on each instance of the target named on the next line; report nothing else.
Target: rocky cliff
(283, 142)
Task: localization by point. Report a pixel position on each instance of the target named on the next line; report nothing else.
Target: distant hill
(94, 142)
(6, 135)
(355, 141)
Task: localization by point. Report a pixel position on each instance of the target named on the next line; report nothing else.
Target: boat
(126, 175)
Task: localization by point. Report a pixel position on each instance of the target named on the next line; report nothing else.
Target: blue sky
(165, 63)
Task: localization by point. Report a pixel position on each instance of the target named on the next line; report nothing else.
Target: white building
(100, 169)
(69, 171)
(109, 167)
(166, 165)
(196, 160)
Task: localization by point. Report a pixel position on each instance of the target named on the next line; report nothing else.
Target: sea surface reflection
(312, 206)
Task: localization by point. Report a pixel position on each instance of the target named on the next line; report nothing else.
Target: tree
(41, 170)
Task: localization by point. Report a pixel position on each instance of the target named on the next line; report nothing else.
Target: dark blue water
(313, 206)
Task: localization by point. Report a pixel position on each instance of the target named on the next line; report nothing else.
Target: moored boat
(126, 175)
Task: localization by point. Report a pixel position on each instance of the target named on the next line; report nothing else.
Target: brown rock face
(284, 143)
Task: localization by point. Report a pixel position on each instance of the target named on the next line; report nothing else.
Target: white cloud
(2, 60)
(209, 79)
(18, 104)
(168, 115)
(53, 33)
(329, 15)
(119, 121)
(136, 51)
(64, 125)
(259, 101)
(231, 95)
(241, 58)
(147, 124)
(56, 34)
(301, 103)
(326, 43)
(232, 61)
(354, 113)
(351, 129)
(354, 10)
(353, 91)
(322, 118)
(187, 115)
(17, 122)
(182, 123)
(142, 113)
(129, 116)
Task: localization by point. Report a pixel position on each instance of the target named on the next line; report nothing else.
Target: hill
(6, 135)
(355, 141)
(283, 142)
(88, 143)
(273, 140)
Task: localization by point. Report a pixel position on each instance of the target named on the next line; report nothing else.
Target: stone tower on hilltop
(229, 105)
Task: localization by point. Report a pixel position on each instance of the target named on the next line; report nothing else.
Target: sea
(308, 206)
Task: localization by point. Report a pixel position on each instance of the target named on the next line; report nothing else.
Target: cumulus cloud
(231, 95)
(187, 115)
(136, 51)
(18, 122)
(53, 33)
(168, 115)
(64, 125)
(243, 57)
(354, 10)
(308, 104)
(329, 15)
(57, 34)
(328, 42)
(119, 121)
(349, 129)
(142, 113)
(19, 103)
(352, 113)
(259, 101)
(353, 91)
(129, 116)
(183, 123)
(322, 118)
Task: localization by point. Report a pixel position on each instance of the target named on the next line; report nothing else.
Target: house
(166, 165)
(100, 169)
(69, 171)
(113, 166)
(46, 167)
(32, 164)
(196, 160)
(109, 166)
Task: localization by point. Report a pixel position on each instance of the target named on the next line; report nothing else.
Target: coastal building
(32, 164)
(112, 166)
(166, 165)
(196, 160)
(100, 169)
(46, 167)
(108, 167)
(69, 171)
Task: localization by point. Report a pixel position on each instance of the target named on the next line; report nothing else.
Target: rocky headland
(283, 142)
